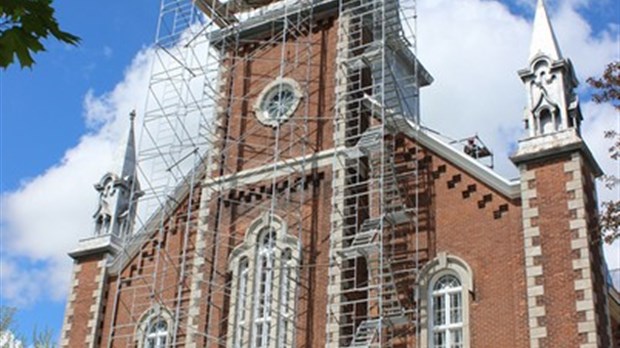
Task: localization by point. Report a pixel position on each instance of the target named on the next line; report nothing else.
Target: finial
(132, 115)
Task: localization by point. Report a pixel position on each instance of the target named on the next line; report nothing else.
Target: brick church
(320, 213)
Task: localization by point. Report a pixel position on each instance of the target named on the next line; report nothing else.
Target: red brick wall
(84, 299)
(308, 59)
(469, 223)
(152, 276)
(596, 256)
(559, 299)
(307, 220)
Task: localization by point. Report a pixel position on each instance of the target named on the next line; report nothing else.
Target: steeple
(115, 213)
(550, 82)
(543, 37)
(128, 168)
(552, 117)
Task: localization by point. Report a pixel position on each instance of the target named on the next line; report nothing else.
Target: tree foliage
(607, 90)
(24, 24)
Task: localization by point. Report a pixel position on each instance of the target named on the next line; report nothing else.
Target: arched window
(157, 334)
(264, 289)
(264, 279)
(286, 302)
(155, 328)
(240, 312)
(446, 284)
(547, 122)
(447, 312)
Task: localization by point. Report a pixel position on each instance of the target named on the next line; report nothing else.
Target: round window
(278, 101)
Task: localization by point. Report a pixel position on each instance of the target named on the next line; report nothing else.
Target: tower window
(548, 123)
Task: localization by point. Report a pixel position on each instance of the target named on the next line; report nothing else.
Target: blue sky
(42, 108)
(70, 111)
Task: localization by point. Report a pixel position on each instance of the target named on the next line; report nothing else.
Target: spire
(543, 38)
(128, 168)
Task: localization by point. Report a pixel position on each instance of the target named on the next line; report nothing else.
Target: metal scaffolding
(173, 260)
(372, 274)
(186, 154)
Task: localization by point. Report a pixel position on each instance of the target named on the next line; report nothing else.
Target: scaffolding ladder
(370, 302)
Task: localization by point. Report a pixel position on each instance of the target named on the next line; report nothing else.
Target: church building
(294, 198)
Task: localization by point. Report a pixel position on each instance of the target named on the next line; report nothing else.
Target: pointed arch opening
(264, 283)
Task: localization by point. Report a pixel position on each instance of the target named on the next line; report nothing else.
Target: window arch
(157, 334)
(286, 310)
(447, 312)
(241, 296)
(264, 277)
(263, 295)
(547, 121)
(446, 283)
(155, 328)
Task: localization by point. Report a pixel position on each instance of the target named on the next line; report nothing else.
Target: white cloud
(48, 214)
(473, 48)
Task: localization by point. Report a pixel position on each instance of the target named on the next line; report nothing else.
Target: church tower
(566, 293)
(113, 221)
(296, 201)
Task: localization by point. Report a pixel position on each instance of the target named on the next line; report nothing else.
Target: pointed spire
(543, 38)
(128, 168)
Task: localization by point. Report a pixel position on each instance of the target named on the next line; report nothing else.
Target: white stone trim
(66, 327)
(157, 311)
(96, 308)
(334, 281)
(266, 172)
(508, 188)
(261, 115)
(198, 274)
(580, 244)
(247, 250)
(531, 252)
(441, 265)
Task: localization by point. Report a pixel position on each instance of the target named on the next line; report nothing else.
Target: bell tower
(113, 215)
(565, 284)
(552, 111)
(113, 222)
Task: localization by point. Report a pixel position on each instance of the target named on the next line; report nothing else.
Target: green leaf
(27, 23)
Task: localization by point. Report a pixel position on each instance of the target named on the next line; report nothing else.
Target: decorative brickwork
(533, 254)
(96, 308)
(198, 272)
(69, 308)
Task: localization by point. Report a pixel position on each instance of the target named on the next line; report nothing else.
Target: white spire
(128, 167)
(543, 38)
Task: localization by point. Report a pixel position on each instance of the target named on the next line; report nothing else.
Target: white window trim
(155, 313)
(248, 251)
(261, 114)
(441, 265)
(446, 296)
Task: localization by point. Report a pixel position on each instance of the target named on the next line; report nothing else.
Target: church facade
(325, 216)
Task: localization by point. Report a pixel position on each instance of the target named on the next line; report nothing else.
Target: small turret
(115, 213)
(552, 117)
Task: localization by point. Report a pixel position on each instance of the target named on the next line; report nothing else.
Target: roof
(428, 139)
